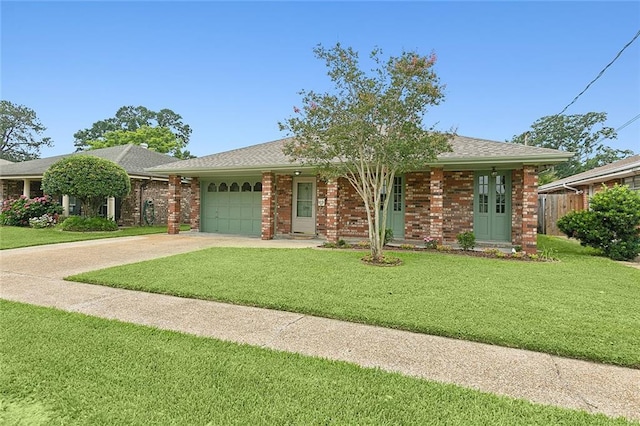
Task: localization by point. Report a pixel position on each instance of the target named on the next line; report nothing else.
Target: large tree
(130, 118)
(369, 129)
(579, 133)
(159, 139)
(90, 179)
(21, 133)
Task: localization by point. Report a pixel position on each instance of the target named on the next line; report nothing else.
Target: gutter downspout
(577, 191)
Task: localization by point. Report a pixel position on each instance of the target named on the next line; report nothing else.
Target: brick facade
(457, 204)
(284, 198)
(436, 208)
(132, 207)
(416, 208)
(194, 205)
(174, 201)
(529, 209)
(268, 205)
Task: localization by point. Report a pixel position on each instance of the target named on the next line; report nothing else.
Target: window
(246, 187)
(257, 187)
(397, 194)
(223, 187)
(483, 194)
(501, 200)
(212, 187)
(234, 187)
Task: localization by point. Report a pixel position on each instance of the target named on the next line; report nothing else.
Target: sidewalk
(537, 377)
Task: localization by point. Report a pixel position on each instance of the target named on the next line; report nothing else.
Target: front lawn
(67, 368)
(15, 236)
(584, 306)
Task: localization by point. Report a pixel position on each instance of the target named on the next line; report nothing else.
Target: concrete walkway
(537, 377)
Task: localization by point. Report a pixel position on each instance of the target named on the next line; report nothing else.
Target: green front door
(395, 213)
(492, 206)
(232, 206)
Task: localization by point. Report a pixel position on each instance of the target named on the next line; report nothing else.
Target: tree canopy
(132, 119)
(582, 134)
(159, 139)
(90, 179)
(21, 133)
(370, 127)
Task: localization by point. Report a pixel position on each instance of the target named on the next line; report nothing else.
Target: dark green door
(492, 206)
(395, 213)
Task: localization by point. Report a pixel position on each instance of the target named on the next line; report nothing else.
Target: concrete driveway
(34, 275)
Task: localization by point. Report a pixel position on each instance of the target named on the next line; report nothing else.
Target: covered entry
(232, 205)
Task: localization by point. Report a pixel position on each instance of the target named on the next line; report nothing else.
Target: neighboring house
(3, 162)
(147, 201)
(572, 193)
(483, 186)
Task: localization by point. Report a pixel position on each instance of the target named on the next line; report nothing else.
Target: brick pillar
(436, 207)
(174, 198)
(529, 209)
(194, 205)
(332, 210)
(268, 205)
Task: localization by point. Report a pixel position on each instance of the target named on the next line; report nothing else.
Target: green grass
(67, 368)
(15, 237)
(583, 307)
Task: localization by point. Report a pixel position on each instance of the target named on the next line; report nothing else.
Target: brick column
(268, 205)
(436, 207)
(332, 210)
(529, 209)
(194, 205)
(174, 198)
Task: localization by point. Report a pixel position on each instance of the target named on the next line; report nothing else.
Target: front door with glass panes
(304, 206)
(395, 212)
(492, 206)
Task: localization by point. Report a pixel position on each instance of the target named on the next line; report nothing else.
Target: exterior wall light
(494, 172)
(297, 172)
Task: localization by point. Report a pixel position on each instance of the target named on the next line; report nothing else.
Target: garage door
(232, 206)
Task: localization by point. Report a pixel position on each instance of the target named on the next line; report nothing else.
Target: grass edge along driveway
(68, 368)
(583, 307)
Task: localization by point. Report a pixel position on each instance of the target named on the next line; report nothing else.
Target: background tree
(89, 179)
(370, 128)
(579, 133)
(21, 133)
(159, 139)
(130, 118)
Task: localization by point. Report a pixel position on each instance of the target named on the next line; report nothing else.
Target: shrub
(610, 226)
(44, 221)
(90, 179)
(467, 240)
(17, 212)
(388, 236)
(430, 242)
(87, 224)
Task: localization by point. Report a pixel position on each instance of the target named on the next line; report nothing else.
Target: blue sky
(233, 70)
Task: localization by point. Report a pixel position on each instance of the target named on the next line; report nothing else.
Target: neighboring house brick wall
(132, 206)
(457, 204)
(416, 213)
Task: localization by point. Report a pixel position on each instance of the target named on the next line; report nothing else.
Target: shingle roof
(599, 174)
(465, 150)
(133, 158)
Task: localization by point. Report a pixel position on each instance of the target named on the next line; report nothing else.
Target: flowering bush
(430, 242)
(43, 221)
(17, 212)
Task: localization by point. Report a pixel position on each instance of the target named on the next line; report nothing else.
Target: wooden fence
(552, 207)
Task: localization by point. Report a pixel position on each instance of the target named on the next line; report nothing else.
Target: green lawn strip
(583, 307)
(15, 237)
(68, 368)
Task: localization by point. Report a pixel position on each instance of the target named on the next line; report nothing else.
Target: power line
(628, 123)
(600, 73)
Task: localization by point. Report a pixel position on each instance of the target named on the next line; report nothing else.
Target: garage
(232, 206)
